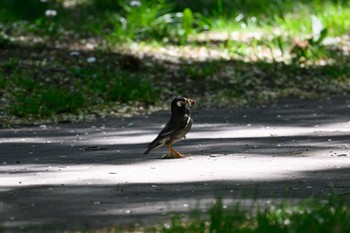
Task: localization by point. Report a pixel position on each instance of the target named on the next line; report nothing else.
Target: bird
(176, 129)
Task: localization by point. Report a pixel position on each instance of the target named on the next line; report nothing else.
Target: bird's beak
(190, 101)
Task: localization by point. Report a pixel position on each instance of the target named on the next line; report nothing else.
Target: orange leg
(174, 154)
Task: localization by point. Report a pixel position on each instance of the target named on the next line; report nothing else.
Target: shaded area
(95, 206)
(72, 60)
(49, 177)
(79, 90)
(102, 12)
(279, 129)
(62, 60)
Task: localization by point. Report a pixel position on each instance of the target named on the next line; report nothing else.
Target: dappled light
(99, 172)
(244, 167)
(121, 58)
(86, 86)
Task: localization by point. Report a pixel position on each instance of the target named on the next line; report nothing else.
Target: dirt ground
(92, 175)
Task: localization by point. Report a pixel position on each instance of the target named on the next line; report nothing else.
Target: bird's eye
(179, 103)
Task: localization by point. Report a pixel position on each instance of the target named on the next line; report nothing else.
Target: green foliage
(29, 93)
(3, 81)
(14, 10)
(132, 88)
(176, 27)
(5, 42)
(10, 64)
(45, 102)
(219, 7)
(153, 20)
(187, 24)
(285, 15)
(140, 19)
(262, 31)
(202, 71)
(316, 216)
(29, 98)
(311, 48)
(116, 85)
(162, 20)
(221, 219)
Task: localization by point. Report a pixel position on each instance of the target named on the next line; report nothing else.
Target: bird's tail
(151, 146)
(148, 150)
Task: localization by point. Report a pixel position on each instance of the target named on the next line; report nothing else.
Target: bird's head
(180, 102)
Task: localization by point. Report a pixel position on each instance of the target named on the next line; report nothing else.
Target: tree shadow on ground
(97, 206)
(274, 130)
(32, 150)
(49, 151)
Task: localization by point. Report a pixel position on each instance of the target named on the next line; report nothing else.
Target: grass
(327, 215)
(272, 54)
(312, 216)
(41, 91)
(159, 19)
(45, 102)
(292, 17)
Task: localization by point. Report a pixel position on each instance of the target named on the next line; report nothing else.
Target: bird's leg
(174, 153)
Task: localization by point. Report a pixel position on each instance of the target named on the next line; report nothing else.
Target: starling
(176, 128)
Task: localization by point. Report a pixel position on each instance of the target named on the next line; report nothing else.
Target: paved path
(72, 176)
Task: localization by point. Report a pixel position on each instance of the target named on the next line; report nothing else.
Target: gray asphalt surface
(91, 175)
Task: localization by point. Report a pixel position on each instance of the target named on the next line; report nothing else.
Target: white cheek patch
(179, 103)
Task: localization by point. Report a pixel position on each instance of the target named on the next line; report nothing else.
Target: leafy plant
(131, 88)
(219, 7)
(144, 20)
(5, 42)
(315, 216)
(117, 85)
(22, 10)
(203, 71)
(137, 19)
(45, 102)
(187, 25)
(3, 82)
(312, 47)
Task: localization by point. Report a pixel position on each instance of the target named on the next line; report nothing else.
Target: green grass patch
(115, 85)
(3, 81)
(292, 17)
(314, 216)
(46, 102)
(276, 51)
(38, 90)
(164, 21)
(311, 215)
(202, 71)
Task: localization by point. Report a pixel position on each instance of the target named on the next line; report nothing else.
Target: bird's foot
(174, 156)
(173, 153)
(167, 157)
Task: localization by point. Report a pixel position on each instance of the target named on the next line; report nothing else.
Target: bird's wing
(174, 125)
